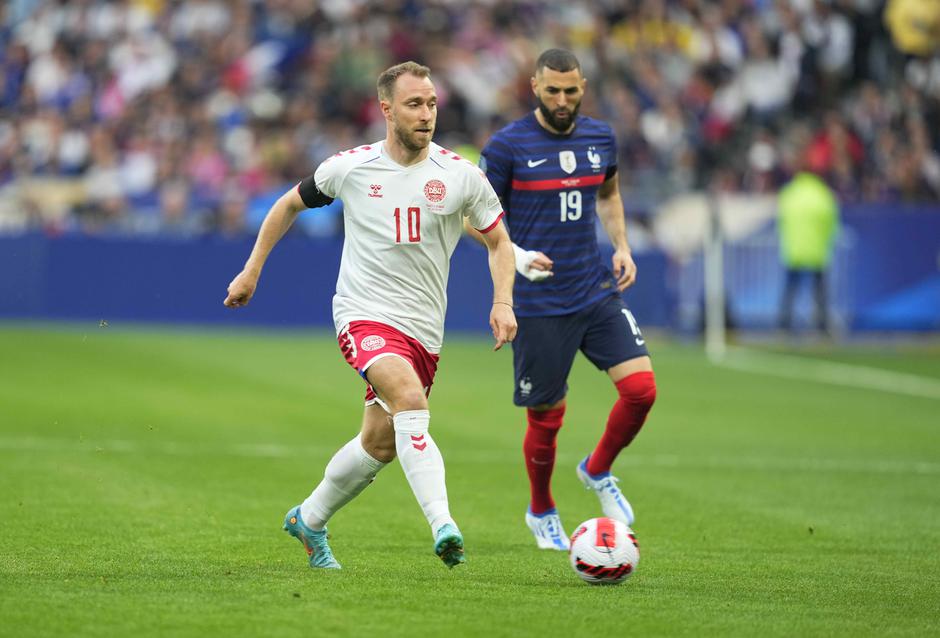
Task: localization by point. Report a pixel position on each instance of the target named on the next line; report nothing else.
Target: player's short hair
(560, 60)
(386, 82)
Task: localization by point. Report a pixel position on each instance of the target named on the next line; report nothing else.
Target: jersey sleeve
(329, 177)
(612, 154)
(482, 204)
(496, 163)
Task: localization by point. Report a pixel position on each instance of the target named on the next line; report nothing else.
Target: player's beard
(553, 121)
(411, 140)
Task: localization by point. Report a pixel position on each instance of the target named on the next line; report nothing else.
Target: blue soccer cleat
(314, 542)
(547, 529)
(448, 545)
(613, 502)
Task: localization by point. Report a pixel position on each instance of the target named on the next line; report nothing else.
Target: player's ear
(535, 85)
(386, 109)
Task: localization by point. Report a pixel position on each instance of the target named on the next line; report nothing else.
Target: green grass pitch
(144, 474)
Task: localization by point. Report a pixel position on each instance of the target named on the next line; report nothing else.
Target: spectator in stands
(207, 91)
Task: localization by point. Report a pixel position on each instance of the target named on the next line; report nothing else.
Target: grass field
(144, 475)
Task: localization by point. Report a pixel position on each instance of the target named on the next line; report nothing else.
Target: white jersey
(402, 224)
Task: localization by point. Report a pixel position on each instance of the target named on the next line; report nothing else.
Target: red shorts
(365, 342)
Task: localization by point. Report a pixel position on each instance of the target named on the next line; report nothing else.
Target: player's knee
(638, 389)
(546, 419)
(410, 400)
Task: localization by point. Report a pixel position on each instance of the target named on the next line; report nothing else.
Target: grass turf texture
(144, 476)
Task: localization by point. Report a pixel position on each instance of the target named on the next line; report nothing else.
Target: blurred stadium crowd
(189, 116)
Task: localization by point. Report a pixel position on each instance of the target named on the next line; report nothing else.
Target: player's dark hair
(386, 82)
(560, 60)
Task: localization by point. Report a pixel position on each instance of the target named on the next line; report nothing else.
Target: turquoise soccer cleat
(314, 542)
(449, 545)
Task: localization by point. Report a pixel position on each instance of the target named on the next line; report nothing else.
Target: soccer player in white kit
(404, 199)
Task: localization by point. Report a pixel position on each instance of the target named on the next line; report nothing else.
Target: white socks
(421, 460)
(348, 473)
(352, 468)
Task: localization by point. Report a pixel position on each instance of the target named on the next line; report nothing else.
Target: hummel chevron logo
(533, 164)
(421, 447)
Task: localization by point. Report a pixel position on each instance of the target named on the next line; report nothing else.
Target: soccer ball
(603, 551)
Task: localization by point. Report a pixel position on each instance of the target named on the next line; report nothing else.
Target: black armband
(611, 171)
(312, 196)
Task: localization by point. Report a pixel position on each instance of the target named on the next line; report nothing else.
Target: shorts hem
(381, 356)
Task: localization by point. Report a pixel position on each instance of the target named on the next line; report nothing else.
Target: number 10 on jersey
(570, 205)
(414, 224)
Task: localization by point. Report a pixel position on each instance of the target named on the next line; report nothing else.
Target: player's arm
(610, 212)
(531, 264)
(278, 220)
(502, 269)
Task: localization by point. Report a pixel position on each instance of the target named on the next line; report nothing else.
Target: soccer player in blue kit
(555, 170)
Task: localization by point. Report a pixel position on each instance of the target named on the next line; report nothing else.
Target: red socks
(637, 394)
(539, 450)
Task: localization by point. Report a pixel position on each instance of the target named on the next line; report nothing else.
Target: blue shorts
(545, 347)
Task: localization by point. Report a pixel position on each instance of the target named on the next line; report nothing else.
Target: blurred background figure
(807, 225)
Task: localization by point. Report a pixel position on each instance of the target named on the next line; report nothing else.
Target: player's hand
(503, 324)
(624, 269)
(532, 264)
(241, 289)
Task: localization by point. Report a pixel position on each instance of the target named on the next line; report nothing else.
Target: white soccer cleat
(613, 503)
(547, 530)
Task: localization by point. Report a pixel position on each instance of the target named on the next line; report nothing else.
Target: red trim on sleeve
(491, 226)
(557, 184)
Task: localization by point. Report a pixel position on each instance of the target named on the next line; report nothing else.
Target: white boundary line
(661, 461)
(841, 374)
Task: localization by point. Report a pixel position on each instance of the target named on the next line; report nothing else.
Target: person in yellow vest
(808, 220)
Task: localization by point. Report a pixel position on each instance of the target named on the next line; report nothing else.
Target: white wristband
(524, 259)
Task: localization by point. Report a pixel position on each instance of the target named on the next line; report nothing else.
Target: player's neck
(548, 127)
(404, 156)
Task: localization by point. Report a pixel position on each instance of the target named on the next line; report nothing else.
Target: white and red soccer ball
(603, 551)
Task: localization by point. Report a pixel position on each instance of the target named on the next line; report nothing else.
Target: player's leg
(636, 389)
(397, 383)
(540, 374)
(539, 447)
(614, 343)
(349, 472)
(351, 469)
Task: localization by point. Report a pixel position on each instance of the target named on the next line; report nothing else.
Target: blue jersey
(548, 184)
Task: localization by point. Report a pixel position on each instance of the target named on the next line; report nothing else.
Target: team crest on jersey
(568, 161)
(435, 190)
(594, 158)
(376, 190)
(372, 342)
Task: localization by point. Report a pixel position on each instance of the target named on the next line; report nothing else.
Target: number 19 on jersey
(570, 205)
